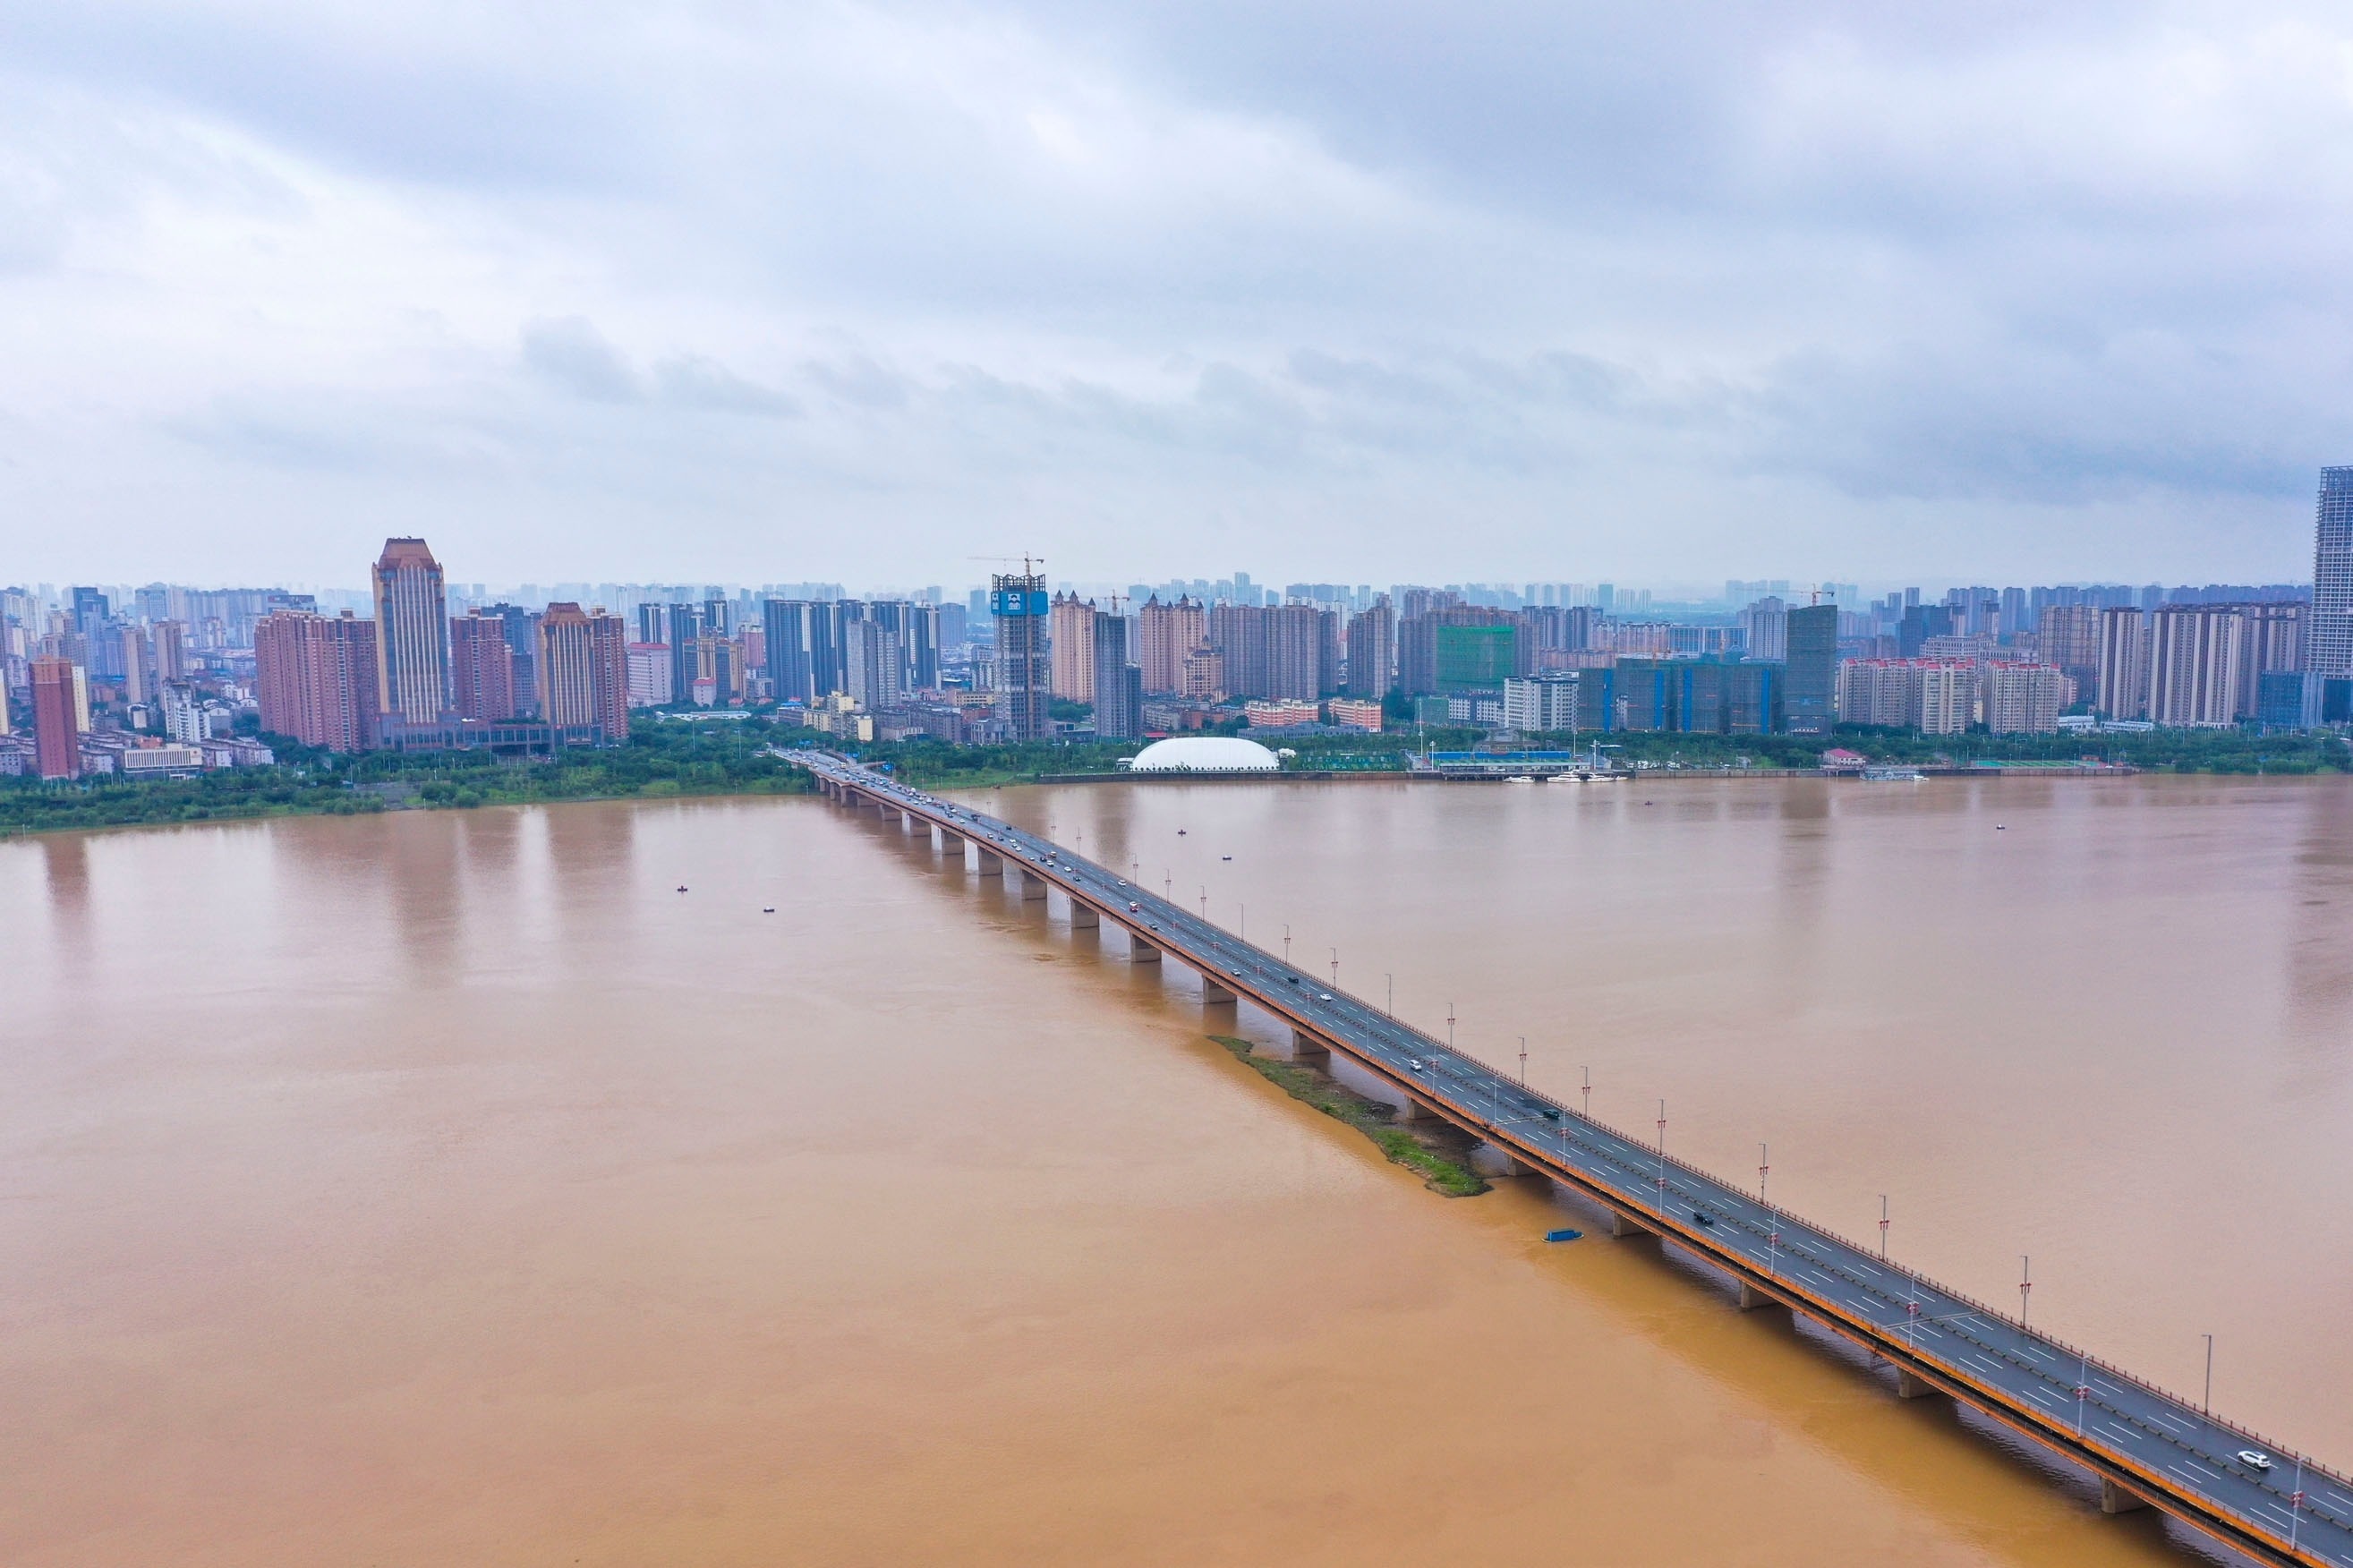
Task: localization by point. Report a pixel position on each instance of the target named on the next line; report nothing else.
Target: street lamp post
(1662, 1159)
(1523, 1061)
(2025, 1283)
(1336, 966)
(1883, 1227)
(2206, 1406)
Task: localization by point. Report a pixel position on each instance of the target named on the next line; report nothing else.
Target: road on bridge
(2145, 1445)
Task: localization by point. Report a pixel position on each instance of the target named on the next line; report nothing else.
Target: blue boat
(1563, 1235)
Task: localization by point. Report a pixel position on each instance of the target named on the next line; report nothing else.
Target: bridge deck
(2149, 1444)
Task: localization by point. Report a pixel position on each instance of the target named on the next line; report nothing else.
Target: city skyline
(1990, 290)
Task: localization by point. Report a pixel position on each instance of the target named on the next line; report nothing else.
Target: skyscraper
(1809, 688)
(1118, 682)
(481, 668)
(56, 741)
(1023, 680)
(584, 671)
(412, 639)
(2331, 654)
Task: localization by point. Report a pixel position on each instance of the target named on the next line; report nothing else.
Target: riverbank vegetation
(674, 757)
(1435, 1164)
(660, 760)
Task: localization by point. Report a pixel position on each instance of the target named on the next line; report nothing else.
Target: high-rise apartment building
(56, 740)
(2068, 637)
(1765, 629)
(316, 676)
(804, 660)
(1166, 634)
(873, 673)
(2022, 698)
(2194, 666)
(1070, 629)
(481, 668)
(2124, 663)
(136, 662)
(523, 652)
(1809, 691)
(1372, 651)
(1118, 681)
(583, 672)
(1277, 652)
(1024, 683)
(412, 620)
(171, 639)
(2331, 654)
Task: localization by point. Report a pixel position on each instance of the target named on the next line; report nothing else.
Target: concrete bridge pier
(1751, 1298)
(1033, 886)
(1140, 951)
(2114, 1499)
(1623, 1227)
(1083, 916)
(1494, 1159)
(1408, 1111)
(951, 843)
(1911, 1385)
(992, 863)
(1214, 995)
(1306, 1047)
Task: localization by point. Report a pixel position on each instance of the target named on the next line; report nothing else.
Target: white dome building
(1204, 754)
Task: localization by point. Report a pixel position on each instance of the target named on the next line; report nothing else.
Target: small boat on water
(1520, 778)
(1893, 775)
(1563, 1235)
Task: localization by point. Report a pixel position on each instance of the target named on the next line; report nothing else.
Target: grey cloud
(571, 353)
(692, 381)
(1277, 262)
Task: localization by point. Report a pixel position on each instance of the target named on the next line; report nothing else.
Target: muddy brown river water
(446, 1188)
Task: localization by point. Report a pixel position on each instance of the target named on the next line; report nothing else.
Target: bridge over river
(2147, 1448)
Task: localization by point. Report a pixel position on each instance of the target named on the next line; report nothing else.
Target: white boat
(1520, 778)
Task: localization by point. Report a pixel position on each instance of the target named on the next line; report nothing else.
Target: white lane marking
(2122, 1431)
(2038, 1393)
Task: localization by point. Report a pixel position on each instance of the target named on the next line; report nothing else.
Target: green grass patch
(1439, 1169)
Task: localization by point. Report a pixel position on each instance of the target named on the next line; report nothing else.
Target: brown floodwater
(447, 1189)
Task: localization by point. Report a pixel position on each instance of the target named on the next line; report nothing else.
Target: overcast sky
(1660, 293)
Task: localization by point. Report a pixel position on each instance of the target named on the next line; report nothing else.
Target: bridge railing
(2235, 1429)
